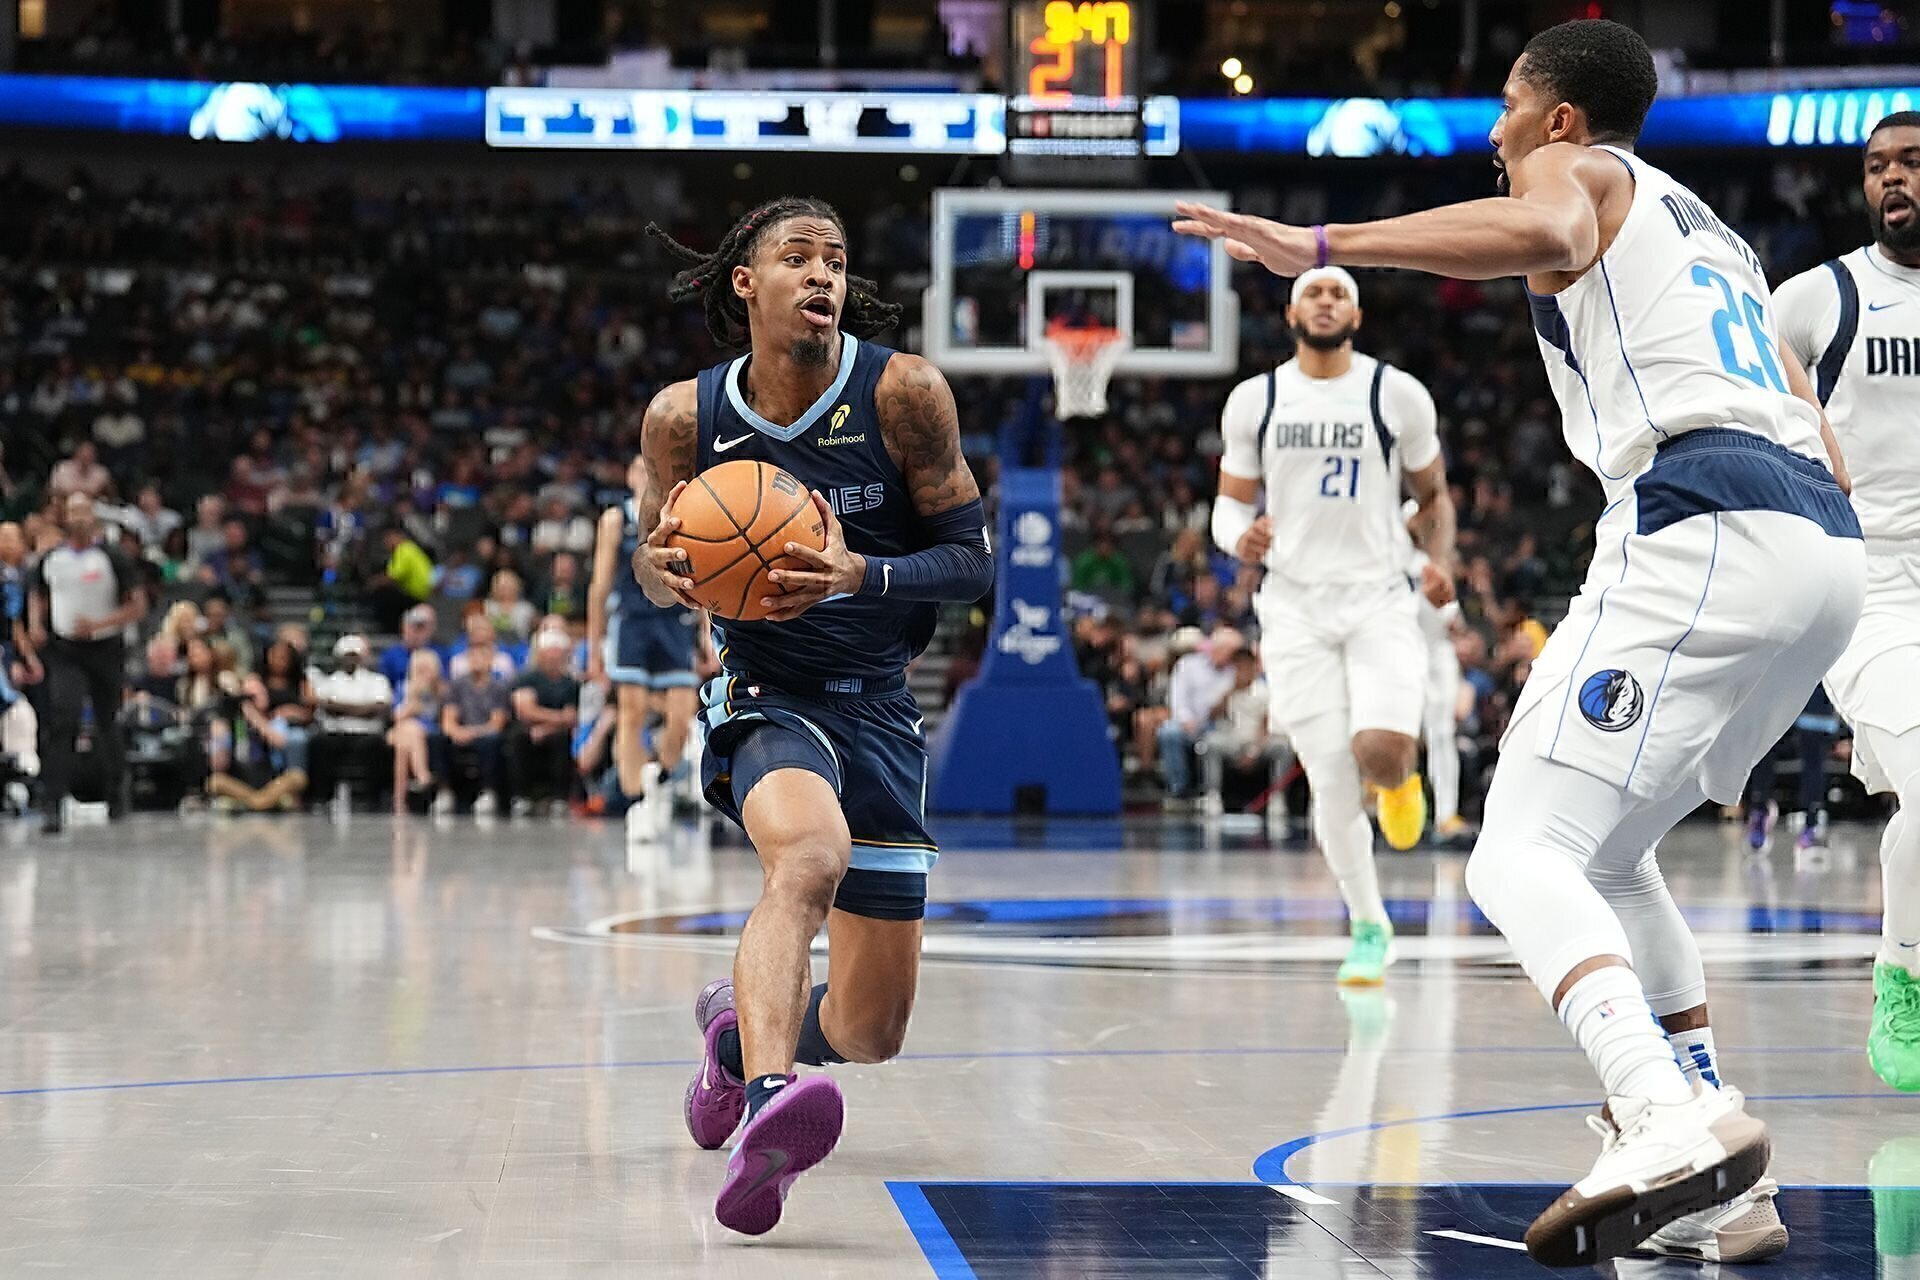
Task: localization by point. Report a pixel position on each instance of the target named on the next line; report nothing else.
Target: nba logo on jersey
(1611, 700)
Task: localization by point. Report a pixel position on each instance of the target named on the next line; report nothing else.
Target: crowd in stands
(368, 399)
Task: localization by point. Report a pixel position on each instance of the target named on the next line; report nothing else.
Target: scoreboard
(1074, 104)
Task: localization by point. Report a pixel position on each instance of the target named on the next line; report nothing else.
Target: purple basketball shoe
(793, 1132)
(715, 1098)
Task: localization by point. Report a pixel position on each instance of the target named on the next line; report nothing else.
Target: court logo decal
(1612, 700)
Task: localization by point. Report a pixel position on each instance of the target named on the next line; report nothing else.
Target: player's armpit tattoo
(921, 425)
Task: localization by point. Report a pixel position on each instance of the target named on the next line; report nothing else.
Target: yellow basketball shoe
(1403, 813)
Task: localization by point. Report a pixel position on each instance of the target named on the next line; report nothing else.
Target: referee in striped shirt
(84, 598)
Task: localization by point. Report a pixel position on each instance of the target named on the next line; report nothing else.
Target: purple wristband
(1320, 239)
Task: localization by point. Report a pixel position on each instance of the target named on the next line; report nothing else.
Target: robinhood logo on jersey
(833, 428)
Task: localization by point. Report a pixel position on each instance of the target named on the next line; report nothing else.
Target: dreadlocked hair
(709, 276)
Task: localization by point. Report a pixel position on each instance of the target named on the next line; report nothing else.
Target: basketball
(734, 520)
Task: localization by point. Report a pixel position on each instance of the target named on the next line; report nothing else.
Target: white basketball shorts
(1356, 650)
(1724, 584)
(1876, 683)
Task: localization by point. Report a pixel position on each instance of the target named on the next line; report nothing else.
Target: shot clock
(1075, 101)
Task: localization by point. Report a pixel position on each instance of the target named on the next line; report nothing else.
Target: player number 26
(1744, 313)
(1341, 479)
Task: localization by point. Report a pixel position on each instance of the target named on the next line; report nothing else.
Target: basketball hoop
(1082, 361)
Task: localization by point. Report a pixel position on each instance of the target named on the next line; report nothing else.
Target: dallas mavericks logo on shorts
(1611, 700)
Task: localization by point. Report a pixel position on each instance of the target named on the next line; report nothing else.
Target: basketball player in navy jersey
(644, 651)
(813, 742)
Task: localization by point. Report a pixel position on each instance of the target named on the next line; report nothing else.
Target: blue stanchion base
(998, 739)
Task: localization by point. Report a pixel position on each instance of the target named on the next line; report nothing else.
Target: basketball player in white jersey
(1333, 437)
(1856, 322)
(1728, 576)
(1440, 721)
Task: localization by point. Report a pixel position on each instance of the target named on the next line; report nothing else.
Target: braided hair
(710, 276)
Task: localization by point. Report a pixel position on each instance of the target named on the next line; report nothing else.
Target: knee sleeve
(1326, 752)
(1544, 823)
(1665, 954)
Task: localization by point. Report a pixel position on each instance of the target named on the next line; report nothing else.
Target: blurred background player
(644, 649)
(1811, 741)
(1440, 720)
(813, 742)
(1721, 529)
(1856, 323)
(1332, 438)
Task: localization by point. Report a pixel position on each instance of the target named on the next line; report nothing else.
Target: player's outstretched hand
(832, 571)
(659, 568)
(1436, 584)
(1281, 249)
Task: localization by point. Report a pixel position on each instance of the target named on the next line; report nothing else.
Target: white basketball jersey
(1855, 324)
(1331, 454)
(1671, 330)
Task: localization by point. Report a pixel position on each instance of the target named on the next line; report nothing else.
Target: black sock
(729, 1047)
(813, 1048)
(760, 1091)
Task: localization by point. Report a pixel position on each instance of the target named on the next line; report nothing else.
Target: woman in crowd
(418, 746)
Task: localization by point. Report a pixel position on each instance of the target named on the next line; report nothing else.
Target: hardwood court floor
(294, 1048)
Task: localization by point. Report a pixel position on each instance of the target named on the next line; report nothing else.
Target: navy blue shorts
(870, 750)
(653, 648)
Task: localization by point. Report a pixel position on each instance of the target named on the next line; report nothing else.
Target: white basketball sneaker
(1658, 1163)
(1745, 1229)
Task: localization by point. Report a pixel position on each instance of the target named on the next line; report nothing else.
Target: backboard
(1007, 263)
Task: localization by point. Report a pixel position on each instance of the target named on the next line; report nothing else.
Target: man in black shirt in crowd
(546, 706)
(83, 598)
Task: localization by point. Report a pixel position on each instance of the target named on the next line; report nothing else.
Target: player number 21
(1341, 469)
(1744, 313)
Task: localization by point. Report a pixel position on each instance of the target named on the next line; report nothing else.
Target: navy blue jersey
(835, 447)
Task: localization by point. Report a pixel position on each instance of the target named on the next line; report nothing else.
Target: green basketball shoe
(1893, 1044)
(1368, 956)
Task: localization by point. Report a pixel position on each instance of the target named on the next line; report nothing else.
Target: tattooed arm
(670, 444)
(921, 427)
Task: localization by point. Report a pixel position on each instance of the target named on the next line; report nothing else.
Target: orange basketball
(734, 521)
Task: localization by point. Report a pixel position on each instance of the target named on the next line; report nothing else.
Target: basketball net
(1082, 361)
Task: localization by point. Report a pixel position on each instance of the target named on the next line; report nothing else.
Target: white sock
(1900, 892)
(1443, 768)
(1609, 1015)
(1339, 820)
(1348, 847)
(1698, 1059)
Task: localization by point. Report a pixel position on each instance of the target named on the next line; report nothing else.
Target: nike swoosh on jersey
(1881, 306)
(886, 578)
(721, 446)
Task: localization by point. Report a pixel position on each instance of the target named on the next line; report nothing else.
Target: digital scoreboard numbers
(1074, 105)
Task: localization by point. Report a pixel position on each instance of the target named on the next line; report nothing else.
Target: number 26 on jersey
(1737, 316)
